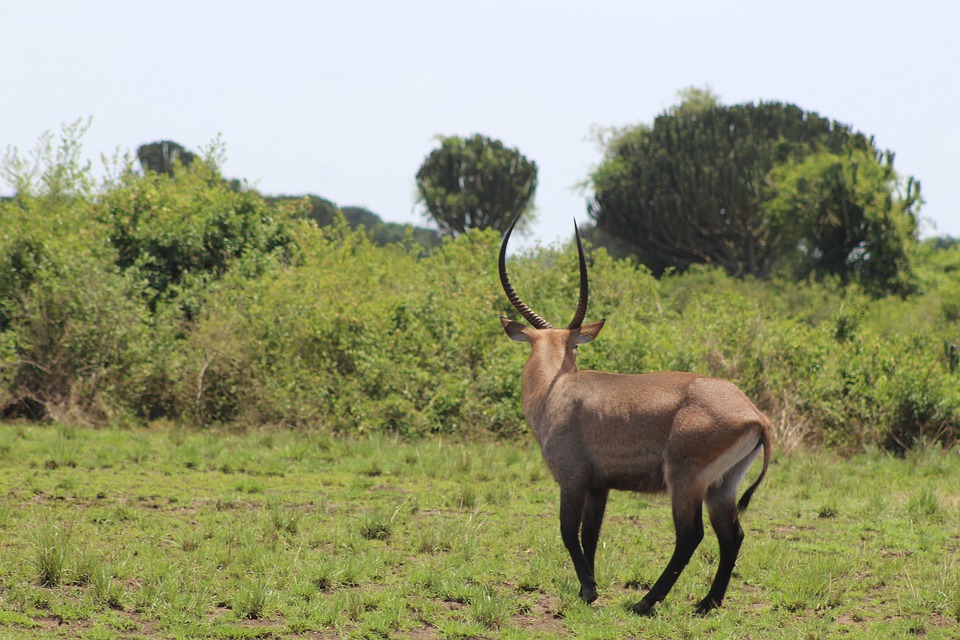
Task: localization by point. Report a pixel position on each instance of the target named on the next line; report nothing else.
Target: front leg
(594, 507)
(572, 499)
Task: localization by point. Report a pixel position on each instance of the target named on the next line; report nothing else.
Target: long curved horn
(582, 303)
(515, 300)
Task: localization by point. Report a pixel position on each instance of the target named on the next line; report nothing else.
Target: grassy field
(174, 533)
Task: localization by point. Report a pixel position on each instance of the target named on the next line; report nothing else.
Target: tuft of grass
(252, 599)
(354, 604)
(566, 598)
(924, 504)
(107, 590)
(325, 576)
(285, 519)
(249, 486)
(433, 538)
(490, 608)
(467, 497)
(374, 470)
(51, 549)
(189, 539)
(376, 526)
(86, 565)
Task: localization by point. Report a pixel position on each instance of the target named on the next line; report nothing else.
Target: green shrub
(73, 335)
(357, 338)
(179, 232)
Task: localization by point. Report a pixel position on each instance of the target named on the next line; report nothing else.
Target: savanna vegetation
(231, 415)
(186, 297)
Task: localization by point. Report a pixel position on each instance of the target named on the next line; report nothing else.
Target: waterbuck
(690, 435)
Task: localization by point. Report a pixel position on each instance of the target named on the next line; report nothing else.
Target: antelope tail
(764, 442)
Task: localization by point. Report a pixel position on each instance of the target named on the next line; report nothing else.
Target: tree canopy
(840, 214)
(755, 188)
(476, 183)
(162, 156)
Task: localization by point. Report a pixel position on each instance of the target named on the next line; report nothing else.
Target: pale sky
(344, 99)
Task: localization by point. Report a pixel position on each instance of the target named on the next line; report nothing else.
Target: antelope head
(552, 348)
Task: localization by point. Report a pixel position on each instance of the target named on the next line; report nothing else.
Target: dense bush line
(185, 298)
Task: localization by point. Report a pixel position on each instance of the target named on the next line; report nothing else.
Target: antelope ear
(589, 332)
(516, 331)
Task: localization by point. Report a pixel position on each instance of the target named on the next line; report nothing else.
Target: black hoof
(588, 594)
(642, 608)
(705, 607)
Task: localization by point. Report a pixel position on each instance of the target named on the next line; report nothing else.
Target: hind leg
(688, 522)
(724, 513)
(726, 523)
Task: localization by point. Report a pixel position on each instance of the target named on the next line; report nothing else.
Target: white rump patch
(744, 450)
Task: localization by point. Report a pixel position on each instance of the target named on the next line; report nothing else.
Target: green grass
(166, 533)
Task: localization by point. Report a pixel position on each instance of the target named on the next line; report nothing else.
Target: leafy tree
(163, 156)
(840, 215)
(476, 183)
(696, 187)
